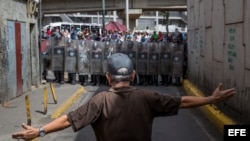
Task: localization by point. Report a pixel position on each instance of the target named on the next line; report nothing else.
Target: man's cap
(119, 64)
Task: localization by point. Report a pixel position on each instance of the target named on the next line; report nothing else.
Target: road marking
(61, 109)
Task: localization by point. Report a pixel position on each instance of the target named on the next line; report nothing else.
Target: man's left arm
(217, 96)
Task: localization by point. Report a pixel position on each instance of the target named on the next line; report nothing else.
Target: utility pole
(40, 15)
(103, 16)
(166, 18)
(127, 15)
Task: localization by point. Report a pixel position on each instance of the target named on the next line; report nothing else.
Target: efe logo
(241, 132)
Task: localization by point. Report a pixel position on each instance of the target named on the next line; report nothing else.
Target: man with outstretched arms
(124, 112)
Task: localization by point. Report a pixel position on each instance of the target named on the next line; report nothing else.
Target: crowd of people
(114, 35)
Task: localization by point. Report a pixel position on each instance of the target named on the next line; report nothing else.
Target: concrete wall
(219, 47)
(18, 12)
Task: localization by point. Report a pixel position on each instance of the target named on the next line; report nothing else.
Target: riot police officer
(141, 60)
(70, 61)
(83, 61)
(96, 63)
(57, 60)
(153, 60)
(107, 51)
(165, 63)
(131, 52)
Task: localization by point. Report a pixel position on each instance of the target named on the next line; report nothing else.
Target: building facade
(219, 47)
(19, 50)
(155, 20)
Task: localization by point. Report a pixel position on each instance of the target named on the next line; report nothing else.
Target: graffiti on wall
(232, 54)
(196, 47)
(201, 40)
(1, 42)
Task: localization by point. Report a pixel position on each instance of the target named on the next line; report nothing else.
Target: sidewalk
(218, 118)
(15, 113)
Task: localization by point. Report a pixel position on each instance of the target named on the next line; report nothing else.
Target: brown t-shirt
(124, 114)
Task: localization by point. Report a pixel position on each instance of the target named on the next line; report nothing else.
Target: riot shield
(171, 46)
(119, 47)
(83, 57)
(96, 58)
(57, 56)
(153, 58)
(45, 57)
(142, 57)
(107, 51)
(130, 50)
(177, 65)
(45, 47)
(71, 57)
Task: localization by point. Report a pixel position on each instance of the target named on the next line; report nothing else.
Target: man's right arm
(57, 124)
(30, 132)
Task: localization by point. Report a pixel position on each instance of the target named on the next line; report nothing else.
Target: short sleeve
(163, 104)
(85, 114)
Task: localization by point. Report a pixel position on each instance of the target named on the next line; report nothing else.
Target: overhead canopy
(115, 26)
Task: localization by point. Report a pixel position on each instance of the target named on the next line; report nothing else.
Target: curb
(218, 118)
(62, 108)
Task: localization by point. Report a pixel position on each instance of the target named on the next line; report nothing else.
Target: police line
(90, 57)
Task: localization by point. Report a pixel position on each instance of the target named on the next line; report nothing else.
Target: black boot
(56, 74)
(73, 78)
(155, 80)
(85, 80)
(45, 75)
(69, 78)
(81, 79)
(98, 80)
(61, 75)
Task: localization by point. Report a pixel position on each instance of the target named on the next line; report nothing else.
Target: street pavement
(14, 113)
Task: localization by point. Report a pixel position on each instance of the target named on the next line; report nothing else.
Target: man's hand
(27, 134)
(222, 95)
(217, 96)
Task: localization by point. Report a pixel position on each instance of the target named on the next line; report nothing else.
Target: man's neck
(120, 84)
